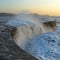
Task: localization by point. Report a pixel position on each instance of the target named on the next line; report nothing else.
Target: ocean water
(44, 46)
(5, 19)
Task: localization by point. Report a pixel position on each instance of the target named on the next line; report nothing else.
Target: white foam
(29, 28)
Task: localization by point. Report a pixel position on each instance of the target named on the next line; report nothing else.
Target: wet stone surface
(8, 49)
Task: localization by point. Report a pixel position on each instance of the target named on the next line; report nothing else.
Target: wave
(28, 26)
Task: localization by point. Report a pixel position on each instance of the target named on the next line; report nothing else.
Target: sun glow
(44, 7)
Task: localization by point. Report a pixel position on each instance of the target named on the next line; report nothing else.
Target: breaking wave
(30, 38)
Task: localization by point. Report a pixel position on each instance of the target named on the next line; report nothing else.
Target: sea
(45, 46)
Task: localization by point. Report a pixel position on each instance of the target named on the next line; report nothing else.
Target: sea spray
(29, 28)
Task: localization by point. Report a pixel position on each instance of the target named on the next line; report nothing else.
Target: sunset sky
(44, 7)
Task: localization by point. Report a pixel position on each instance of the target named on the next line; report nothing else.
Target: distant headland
(6, 14)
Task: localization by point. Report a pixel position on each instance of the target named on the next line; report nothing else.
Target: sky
(43, 7)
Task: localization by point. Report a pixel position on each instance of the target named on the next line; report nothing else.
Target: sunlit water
(44, 46)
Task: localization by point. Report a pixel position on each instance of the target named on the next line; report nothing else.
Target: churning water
(29, 36)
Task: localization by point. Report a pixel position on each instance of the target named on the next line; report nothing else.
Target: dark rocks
(6, 14)
(51, 24)
(8, 48)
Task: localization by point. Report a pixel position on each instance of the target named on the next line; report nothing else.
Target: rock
(52, 24)
(8, 48)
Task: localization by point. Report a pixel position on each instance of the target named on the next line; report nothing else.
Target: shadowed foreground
(8, 49)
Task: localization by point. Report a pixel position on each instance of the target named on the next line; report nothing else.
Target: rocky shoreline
(8, 48)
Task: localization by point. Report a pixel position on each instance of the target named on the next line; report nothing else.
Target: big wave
(28, 28)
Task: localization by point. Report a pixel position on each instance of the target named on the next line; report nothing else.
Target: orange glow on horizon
(47, 12)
